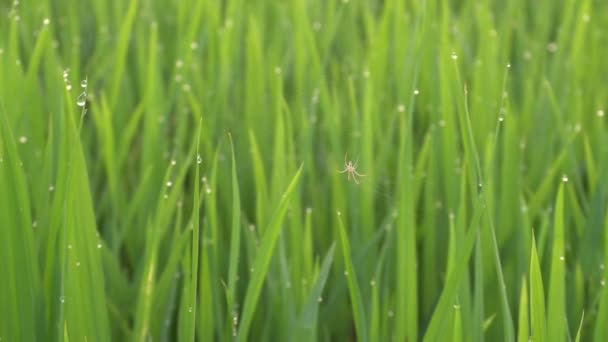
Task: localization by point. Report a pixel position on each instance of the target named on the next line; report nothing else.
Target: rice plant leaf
(262, 261)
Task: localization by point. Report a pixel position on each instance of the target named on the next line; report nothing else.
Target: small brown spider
(351, 169)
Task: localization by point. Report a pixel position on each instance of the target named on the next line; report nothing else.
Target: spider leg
(342, 171)
(355, 179)
(359, 174)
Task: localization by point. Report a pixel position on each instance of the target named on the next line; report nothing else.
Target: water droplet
(416, 92)
(601, 266)
(552, 47)
(51, 188)
(501, 119)
(169, 184)
(186, 88)
(372, 283)
(308, 210)
(564, 178)
(173, 162)
(391, 314)
(600, 113)
(190, 309)
(401, 108)
(508, 65)
(208, 190)
(34, 224)
(316, 26)
(82, 99)
(346, 273)
(99, 245)
(23, 139)
(179, 63)
(68, 86)
(562, 258)
(62, 299)
(320, 299)
(251, 227)
(456, 307)
(83, 83)
(77, 263)
(166, 196)
(339, 213)
(288, 285)
(199, 159)
(70, 246)
(454, 56)
(46, 21)
(194, 45)
(277, 70)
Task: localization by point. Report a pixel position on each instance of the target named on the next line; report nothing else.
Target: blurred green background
(169, 170)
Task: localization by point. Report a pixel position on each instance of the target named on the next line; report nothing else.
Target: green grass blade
(444, 306)
(309, 313)
(537, 298)
(19, 292)
(353, 284)
(556, 311)
(262, 261)
(235, 236)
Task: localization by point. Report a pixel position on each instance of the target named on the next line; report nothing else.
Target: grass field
(170, 170)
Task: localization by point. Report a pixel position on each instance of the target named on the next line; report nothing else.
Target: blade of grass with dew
(450, 289)
(195, 242)
(263, 257)
(358, 307)
(235, 238)
(308, 315)
(19, 292)
(86, 314)
(556, 311)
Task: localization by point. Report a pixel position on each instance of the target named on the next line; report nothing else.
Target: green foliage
(188, 188)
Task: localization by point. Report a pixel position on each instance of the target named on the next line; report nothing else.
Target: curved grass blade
(262, 261)
(451, 287)
(308, 316)
(353, 285)
(19, 288)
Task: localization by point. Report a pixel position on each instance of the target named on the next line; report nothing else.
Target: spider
(351, 169)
